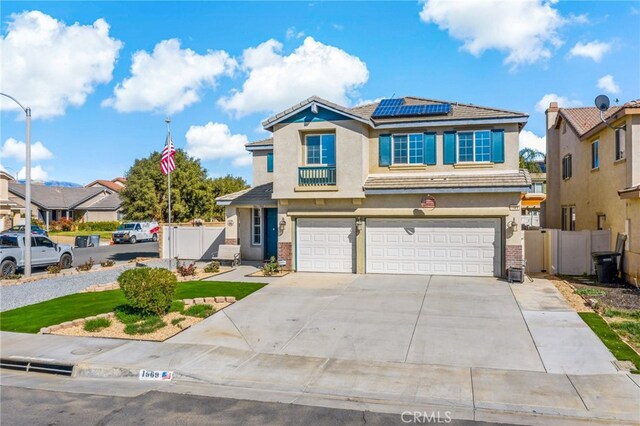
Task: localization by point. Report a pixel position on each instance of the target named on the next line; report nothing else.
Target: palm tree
(530, 158)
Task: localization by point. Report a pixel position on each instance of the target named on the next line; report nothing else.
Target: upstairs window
(620, 142)
(566, 167)
(474, 146)
(321, 149)
(270, 162)
(595, 156)
(538, 188)
(408, 149)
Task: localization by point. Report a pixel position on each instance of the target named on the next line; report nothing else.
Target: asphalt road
(20, 406)
(117, 252)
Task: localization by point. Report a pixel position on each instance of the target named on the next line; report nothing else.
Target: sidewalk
(468, 393)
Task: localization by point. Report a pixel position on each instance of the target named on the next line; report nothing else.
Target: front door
(271, 233)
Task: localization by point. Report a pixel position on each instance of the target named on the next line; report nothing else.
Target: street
(21, 406)
(118, 252)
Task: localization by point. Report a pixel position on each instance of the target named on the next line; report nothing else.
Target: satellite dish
(602, 102)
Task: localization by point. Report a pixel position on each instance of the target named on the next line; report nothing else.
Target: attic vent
(36, 367)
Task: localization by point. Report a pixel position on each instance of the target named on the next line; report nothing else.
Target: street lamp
(27, 190)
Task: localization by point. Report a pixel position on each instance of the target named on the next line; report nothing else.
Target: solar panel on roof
(410, 110)
(391, 102)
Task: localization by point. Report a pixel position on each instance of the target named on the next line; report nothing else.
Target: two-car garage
(438, 246)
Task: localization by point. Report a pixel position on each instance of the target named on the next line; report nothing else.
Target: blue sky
(102, 76)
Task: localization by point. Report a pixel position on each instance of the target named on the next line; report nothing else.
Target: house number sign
(428, 202)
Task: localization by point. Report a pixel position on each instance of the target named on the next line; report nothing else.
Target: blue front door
(271, 233)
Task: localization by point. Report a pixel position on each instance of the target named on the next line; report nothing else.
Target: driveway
(452, 321)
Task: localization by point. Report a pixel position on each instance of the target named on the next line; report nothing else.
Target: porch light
(514, 225)
(282, 225)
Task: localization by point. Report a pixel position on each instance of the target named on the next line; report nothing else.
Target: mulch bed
(619, 296)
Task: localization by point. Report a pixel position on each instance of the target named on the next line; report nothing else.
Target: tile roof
(263, 142)
(453, 181)
(55, 197)
(110, 184)
(109, 203)
(584, 119)
(258, 195)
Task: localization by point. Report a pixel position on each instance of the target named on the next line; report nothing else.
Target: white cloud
(293, 33)
(214, 141)
(37, 173)
(361, 101)
(608, 84)
(592, 50)
(563, 102)
(529, 139)
(49, 66)
(525, 30)
(275, 82)
(17, 149)
(169, 79)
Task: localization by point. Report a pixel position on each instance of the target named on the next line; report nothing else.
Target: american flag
(167, 162)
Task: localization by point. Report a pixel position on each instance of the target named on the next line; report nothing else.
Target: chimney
(553, 107)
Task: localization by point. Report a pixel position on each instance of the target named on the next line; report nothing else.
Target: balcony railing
(316, 176)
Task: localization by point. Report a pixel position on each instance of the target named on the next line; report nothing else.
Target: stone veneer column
(284, 253)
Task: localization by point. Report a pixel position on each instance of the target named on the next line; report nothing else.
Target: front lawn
(30, 319)
(611, 340)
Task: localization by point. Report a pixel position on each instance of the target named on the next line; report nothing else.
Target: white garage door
(325, 245)
(433, 246)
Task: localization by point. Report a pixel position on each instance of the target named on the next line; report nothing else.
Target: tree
(222, 186)
(529, 159)
(192, 192)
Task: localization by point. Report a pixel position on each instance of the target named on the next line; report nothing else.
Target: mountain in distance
(55, 183)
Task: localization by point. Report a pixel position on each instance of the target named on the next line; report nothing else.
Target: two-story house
(532, 201)
(593, 173)
(406, 186)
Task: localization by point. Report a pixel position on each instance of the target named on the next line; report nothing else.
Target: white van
(132, 232)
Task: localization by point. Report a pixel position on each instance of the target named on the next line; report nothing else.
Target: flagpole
(170, 239)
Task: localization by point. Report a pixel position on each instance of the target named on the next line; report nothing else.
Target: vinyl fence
(564, 252)
(192, 243)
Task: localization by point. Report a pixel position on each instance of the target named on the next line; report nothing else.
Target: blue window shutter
(270, 162)
(449, 147)
(430, 148)
(384, 150)
(497, 146)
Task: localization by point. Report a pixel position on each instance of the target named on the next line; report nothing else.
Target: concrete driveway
(451, 321)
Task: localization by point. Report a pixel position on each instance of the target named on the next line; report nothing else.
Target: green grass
(610, 312)
(629, 330)
(97, 324)
(104, 235)
(30, 319)
(146, 326)
(611, 340)
(199, 311)
(590, 292)
(177, 321)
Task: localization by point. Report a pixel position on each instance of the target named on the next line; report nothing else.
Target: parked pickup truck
(132, 232)
(44, 252)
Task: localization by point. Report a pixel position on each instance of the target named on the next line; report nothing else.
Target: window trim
(567, 169)
(619, 143)
(306, 149)
(253, 226)
(473, 132)
(393, 145)
(595, 154)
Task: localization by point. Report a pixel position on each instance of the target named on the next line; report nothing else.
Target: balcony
(317, 176)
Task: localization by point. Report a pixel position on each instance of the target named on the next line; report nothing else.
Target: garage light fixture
(513, 225)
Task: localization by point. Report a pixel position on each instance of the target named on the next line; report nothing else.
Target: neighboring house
(593, 173)
(52, 203)
(8, 209)
(408, 185)
(115, 185)
(532, 201)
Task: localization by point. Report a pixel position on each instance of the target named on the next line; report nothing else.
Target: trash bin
(82, 241)
(515, 274)
(606, 265)
(94, 241)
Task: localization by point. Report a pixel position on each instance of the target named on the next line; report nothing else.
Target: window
(474, 146)
(321, 149)
(595, 159)
(568, 218)
(620, 142)
(6, 241)
(43, 242)
(408, 149)
(256, 235)
(538, 188)
(566, 167)
(270, 162)
(601, 219)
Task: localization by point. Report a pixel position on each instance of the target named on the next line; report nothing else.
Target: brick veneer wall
(284, 253)
(231, 241)
(513, 255)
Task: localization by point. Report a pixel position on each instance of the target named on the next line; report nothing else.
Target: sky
(101, 77)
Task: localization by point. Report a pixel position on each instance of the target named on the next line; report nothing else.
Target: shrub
(186, 271)
(176, 306)
(54, 269)
(107, 263)
(10, 277)
(271, 267)
(148, 289)
(86, 266)
(200, 311)
(146, 326)
(590, 292)
(63, 224)
(98, 226)
(212, 267)
(177, 321)
(97, 324)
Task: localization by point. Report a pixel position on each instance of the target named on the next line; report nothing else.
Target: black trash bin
(606, 265)
(82, 241)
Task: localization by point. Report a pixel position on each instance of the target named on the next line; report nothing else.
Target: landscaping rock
(198, 300)
(188, 302)
(209, 300)
(103, 316)
(78, 322)
(45, 330)
(54, 328)
(90, 318)
(219, 299)
(66, 324)
(230, 299)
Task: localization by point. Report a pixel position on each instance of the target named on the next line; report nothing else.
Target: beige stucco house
(593, 174)
(8, 208)
(407, 185)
